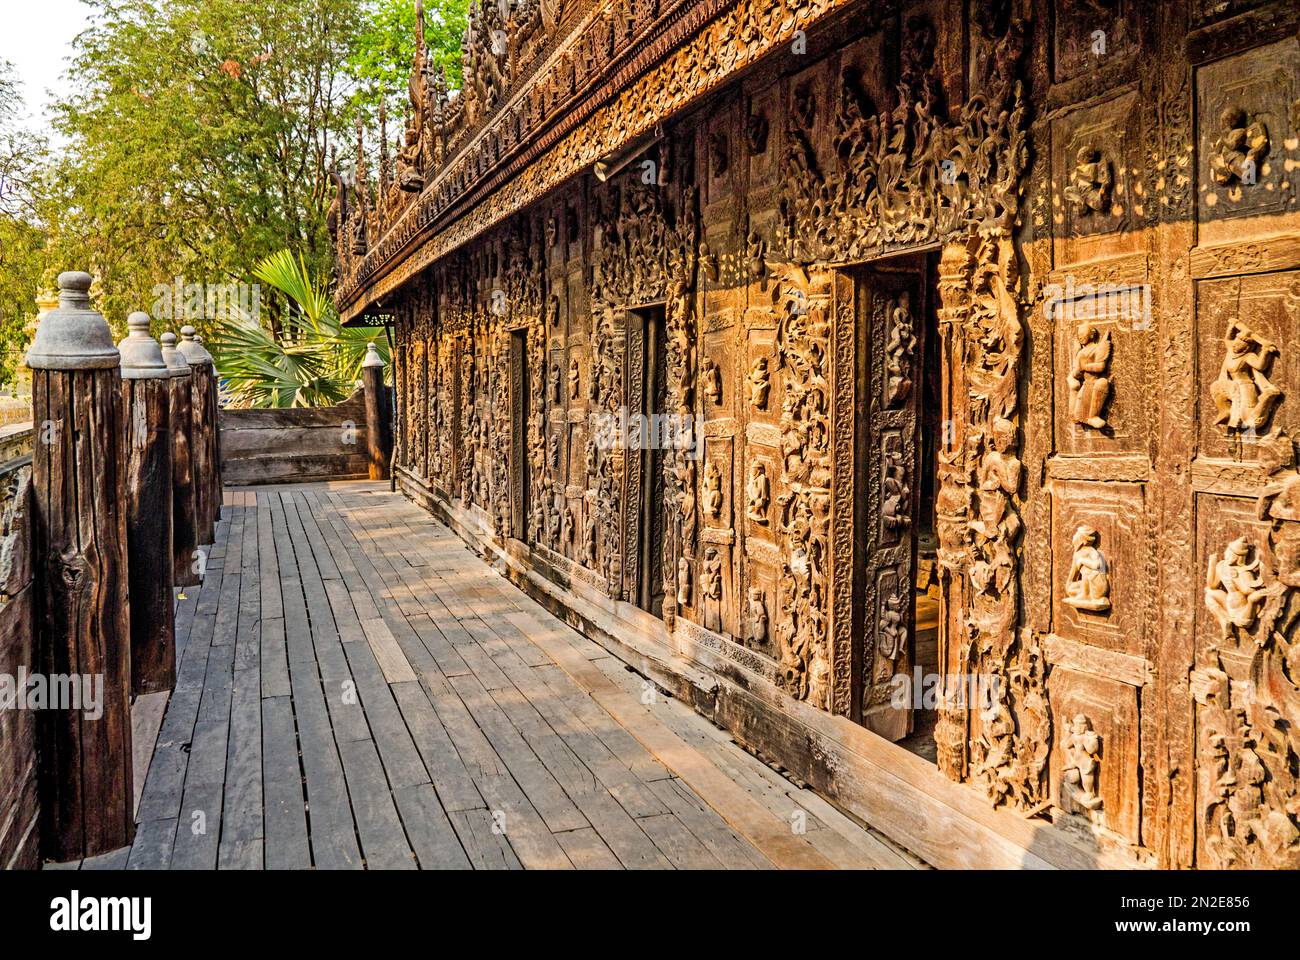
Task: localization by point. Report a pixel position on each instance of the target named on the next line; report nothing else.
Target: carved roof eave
(673, 56)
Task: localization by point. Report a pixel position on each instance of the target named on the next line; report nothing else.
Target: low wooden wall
(295, 445)
(19, 807)
(15, 445)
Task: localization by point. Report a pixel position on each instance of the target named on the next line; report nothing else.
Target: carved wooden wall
(1103, 201)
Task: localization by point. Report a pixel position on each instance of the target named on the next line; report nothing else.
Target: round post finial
(196, 355)
(373, 359)
(176, 361)
(142, 357)
(74, 335)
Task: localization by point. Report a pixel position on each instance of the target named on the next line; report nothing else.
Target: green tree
(381, 60)
(22, 240)
(198, 135)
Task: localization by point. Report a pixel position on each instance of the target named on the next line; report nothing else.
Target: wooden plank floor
(357, 689)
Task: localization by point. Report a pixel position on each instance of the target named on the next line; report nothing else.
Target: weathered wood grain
(83, 624)
(185, 533)
(203, 420)
(150, 554)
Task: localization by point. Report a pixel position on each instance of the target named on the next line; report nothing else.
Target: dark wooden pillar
(214, 438)
(83, 622)
(203, 417)
(145, 379)
(379, 427)
(185, 534)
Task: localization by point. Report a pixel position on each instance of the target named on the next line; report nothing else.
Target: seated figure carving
(1087, 586)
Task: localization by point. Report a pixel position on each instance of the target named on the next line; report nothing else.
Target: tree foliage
(199, 134)
(22, 241)
(381, 61)
(313, 361)
(196, 138)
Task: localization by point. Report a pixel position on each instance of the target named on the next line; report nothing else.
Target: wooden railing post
(83, 622)
(185, 540)
(379, 430)
(145, 379)
(214, 439)
(204, 420)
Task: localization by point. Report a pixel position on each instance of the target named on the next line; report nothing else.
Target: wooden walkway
(357, 689)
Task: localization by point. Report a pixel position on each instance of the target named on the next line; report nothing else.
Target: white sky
(36, 37)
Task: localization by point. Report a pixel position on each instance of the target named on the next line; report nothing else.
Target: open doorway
(899, 430)
(650, 401)
(520, 404)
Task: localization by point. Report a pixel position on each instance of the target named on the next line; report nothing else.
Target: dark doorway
(653, 400)
(897, 445)
(520, 404)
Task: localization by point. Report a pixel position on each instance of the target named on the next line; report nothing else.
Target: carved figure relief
(1091, 183)
(993, 755)
(575, 379)
(683, 582)
(899, 349)
(1089, 381)
(758, 493)
(895, 491)
(711, 589)
(803, 350)
(1243, 396)
(712, 382)
(1081, 747)
(756, 255)
(760, 383)
(712, 490)
(1240, 148)
(1087, 585)
(1249, 748)
(757, 633)
(1234, 587)
(756, 127)
(719, 156)
(708, 262)
(893, 628)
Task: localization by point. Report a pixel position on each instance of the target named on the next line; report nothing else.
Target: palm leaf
(316, 361)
